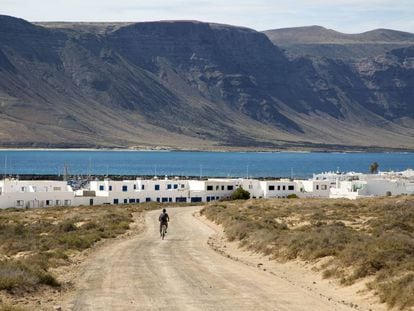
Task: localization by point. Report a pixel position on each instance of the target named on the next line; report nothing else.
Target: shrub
(368, 237)
(240, 194)
(19, 274)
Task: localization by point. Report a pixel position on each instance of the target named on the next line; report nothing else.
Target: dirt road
(181, 273)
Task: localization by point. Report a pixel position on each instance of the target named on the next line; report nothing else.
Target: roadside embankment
(368, 240)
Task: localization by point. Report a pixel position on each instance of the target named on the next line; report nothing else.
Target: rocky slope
(317, 41)
(193, 85)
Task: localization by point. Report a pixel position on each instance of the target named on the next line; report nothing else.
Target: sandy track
(181, 273)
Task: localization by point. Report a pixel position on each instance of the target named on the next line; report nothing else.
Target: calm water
(223, 164)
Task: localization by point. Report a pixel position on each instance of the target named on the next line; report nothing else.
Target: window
(23, 189)
(169, 199)
(142, 187)
(158, 199)
(324, 187)
(175, 186)
(230, 187)
(291, 187)
(48, 202)
(164, 200)
(137, 200)
(217, 187)
(57, 188)
(135, 187)
(147, 199)
(208, 199)
(124, 188)
(101, 188)
(278, 188)
(182, 186)
(271, 188)
(182, 199)
(209, 188)
(110, 188)
(169, 186)
(116, 201)
(131, 200)
(317, 187)
(58, 202)
(284, 187)
(125, 201)
(157, 187)
(19, 203)
(67, 203)
(196, 199)
(222, 187)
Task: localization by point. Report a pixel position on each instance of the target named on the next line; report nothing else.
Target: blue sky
(351, 16)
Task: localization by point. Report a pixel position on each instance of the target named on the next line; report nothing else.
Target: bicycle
(163, 231)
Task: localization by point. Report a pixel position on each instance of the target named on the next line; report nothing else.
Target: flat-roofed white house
(44, 193)
(215, 189)
(35, 193)
(279, 188)
(315, 188)
(141, 190)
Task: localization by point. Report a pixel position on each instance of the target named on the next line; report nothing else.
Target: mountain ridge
(191, 85)
(317, 41)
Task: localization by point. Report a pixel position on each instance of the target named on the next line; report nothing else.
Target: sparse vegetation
(35, 241)
(367, 237)
(11, 308)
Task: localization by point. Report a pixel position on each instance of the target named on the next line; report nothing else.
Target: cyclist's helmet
(164, 210)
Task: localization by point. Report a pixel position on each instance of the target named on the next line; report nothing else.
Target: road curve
(181, 273)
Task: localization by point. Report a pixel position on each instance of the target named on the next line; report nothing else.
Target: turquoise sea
(205, 164)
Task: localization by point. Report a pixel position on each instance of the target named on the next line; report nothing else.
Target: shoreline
(203, 151)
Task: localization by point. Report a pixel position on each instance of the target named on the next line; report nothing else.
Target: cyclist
(164, 219)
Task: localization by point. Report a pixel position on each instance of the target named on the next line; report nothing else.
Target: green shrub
(292, 196)
(240, 194)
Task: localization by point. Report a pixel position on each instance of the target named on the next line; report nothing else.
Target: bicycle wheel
(163, 229)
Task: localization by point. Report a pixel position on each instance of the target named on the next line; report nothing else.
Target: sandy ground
(194, 269)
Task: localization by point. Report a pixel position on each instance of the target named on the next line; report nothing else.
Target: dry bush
(33, 241)
(367, 237)
(11, 308)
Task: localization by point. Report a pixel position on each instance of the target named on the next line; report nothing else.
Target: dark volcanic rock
(193, 85)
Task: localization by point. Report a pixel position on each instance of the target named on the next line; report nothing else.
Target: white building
(28, 194)
(355, 185)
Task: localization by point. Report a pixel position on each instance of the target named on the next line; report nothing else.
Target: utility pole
(65, 172)
(5, 167)
(90, 168)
